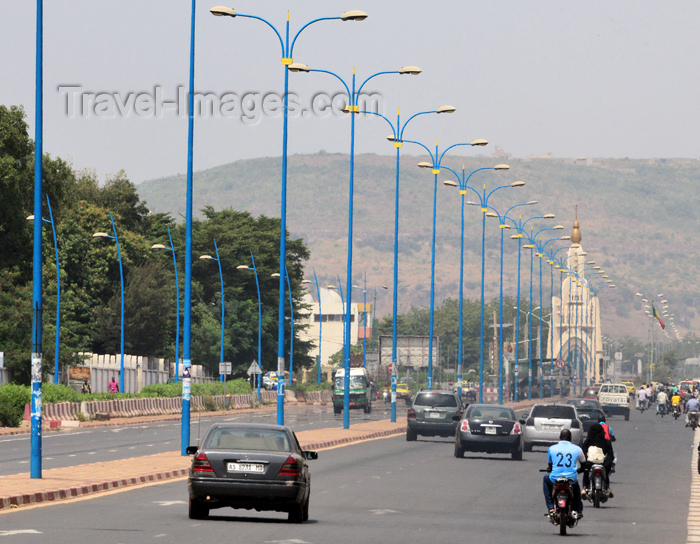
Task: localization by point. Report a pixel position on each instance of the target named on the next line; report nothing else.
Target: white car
(542, 425)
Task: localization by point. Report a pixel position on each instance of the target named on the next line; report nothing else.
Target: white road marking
(694, 507)
(20, 532)
(383, 511)
(169, 503)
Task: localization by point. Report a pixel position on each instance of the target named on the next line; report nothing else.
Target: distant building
(332, 318)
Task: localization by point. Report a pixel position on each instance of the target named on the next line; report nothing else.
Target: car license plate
(435, 415)
(246, 467)
(490, 430)
(550, 427)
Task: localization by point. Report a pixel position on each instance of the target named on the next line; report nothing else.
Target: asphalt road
(96, 444)
(393, 491)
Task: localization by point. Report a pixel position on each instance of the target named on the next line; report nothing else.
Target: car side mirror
(310, 455)
(191, 450)
(523, 422)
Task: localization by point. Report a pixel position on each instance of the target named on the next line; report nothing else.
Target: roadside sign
(561, 363)
(618, 356)
(224, 368)
(254, 368)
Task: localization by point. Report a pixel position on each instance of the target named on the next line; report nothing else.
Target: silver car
(544, 422)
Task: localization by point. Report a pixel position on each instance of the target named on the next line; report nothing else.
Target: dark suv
(432, 413)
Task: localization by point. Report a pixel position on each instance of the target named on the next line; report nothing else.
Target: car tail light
(411, 413)
(516, 429)
(465, 426)
(290, 467)
(201, 464)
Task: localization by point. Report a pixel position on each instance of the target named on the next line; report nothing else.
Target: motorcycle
(693, 419)
(386, 396)
(563, 500)
(598, 492)
(642, 405)
(676, 411)
(662, 409)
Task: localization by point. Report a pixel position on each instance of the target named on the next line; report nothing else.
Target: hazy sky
(574, 78)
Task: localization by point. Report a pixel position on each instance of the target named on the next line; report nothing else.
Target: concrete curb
(79, 491)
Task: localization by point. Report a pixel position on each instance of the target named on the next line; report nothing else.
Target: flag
(657, 316)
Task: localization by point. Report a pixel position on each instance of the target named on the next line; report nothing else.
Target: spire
(576, 233)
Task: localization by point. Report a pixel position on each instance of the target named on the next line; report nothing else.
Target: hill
(637, 220)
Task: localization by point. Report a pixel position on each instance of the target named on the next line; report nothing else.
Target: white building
(328, 317)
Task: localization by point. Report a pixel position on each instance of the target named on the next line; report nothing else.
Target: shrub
(59, 393)
(13, 398)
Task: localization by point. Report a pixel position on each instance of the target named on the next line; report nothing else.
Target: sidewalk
(76, 481)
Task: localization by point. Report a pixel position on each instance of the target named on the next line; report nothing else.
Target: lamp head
(306, 281)
(450, 183)
(158, 246)
(100, 235)
(491, 214)
(354, 15)
(298, 67)
(501, 166)
(518, 184)
(446, 109)
(410, 70)
(391, 138)
(567, 237)
(30, 218)
(479, 142)
(275, 275)
(531, 203)
(221, 11)
(425, 164)
(206, 257)
(243, 267)
(331, 287)
(558, 227)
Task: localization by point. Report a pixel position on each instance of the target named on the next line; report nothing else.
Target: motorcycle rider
(597, 438)
(561, 463)
(661, 400)
(609, 435)
(693, 405)
(642, 397)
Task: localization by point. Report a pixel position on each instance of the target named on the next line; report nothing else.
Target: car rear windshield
(248, 439)
(621, 389)
(490, 412)
(553, 412)
(435, 400)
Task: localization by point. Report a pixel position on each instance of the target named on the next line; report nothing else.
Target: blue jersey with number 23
(563, 457)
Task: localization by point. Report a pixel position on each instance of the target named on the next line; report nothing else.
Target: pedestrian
(113, 386)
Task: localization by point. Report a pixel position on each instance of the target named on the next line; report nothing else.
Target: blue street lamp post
(484, 205)
(435, 165)
(519, 226)
(58, 290)
(121, 277)
(35, 453)
(287, 60)
(177, 299)
(291, 323)
(397, 139)
(352, 108)
(223, 305)
(502, 226)
(463, 184)
(257, 286)
(187, 313)
(320, 322)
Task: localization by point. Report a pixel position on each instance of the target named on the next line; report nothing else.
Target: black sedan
(489, 428)
(588, 416)
(251, 466)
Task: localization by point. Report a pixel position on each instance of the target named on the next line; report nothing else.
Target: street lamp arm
(505, 215)
(347, 89)
(409, 120)
(359, 90)
(493, 191)
(291, 48)
(424, 147)
(393, 129)
(450, 147)
(279, 36)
